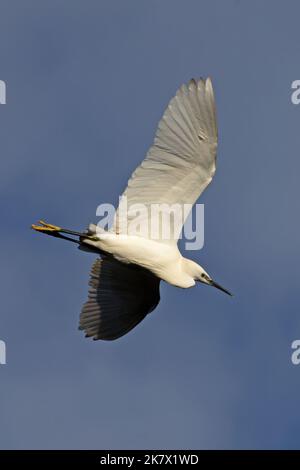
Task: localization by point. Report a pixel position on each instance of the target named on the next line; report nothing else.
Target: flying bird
(125, 278)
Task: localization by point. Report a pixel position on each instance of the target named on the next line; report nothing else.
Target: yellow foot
(44, 227)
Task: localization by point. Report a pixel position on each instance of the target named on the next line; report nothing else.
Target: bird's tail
(93, 232)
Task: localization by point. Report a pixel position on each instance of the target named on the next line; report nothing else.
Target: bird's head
(200, 275)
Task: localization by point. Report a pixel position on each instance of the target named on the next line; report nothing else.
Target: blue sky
(87, 82)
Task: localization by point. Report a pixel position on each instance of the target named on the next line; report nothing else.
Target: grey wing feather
(120, 296)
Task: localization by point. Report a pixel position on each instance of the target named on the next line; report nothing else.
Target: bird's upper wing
(120, 296)
(180, 163)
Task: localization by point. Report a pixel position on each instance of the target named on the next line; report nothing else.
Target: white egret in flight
(124, 280)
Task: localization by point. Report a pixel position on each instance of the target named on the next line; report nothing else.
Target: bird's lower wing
(120, 296)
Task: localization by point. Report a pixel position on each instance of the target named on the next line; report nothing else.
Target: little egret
(125, 279)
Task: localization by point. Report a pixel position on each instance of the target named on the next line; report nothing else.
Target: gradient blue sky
(87, 82)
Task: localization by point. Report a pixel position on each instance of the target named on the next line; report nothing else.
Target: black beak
(213, 283)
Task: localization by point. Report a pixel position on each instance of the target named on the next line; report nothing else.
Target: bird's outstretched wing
(180, 163)
(120, 296)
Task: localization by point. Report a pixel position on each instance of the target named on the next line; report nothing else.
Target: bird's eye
(202, 275)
